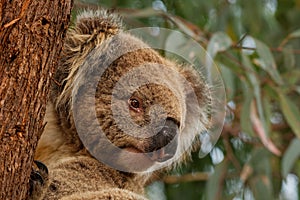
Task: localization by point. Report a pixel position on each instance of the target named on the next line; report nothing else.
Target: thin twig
(241, 40)
(230, 154)
(198, 176)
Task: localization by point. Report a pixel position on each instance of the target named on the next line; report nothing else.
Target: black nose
(163, 145)
(166, 134)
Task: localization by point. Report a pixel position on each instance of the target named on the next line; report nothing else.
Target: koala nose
(166, 134)
(164, 143)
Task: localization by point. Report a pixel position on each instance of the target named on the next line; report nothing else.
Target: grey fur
(73, 171)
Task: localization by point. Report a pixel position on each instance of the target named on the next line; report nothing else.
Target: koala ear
(196, 109)
(196, 86)
(90, 30)
(197, 101)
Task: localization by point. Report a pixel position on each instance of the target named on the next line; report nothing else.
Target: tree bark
(31, 38)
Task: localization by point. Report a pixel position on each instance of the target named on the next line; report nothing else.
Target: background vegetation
(256, 44)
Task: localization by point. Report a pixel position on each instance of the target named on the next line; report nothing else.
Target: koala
(118, 113)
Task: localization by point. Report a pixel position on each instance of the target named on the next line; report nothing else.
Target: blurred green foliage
(257, 156)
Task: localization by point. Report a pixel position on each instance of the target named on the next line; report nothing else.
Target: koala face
(150, 119)
(143, 111)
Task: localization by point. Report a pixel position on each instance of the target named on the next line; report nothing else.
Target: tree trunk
(31, 37)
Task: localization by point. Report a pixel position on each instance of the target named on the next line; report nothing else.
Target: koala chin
(118, 110)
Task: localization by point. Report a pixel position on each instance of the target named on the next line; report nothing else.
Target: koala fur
(74, 173)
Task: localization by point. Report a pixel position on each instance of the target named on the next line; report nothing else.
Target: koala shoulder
(86, 178)
(113, 193)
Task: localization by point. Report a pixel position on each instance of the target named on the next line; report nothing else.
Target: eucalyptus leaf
(295, 34)
(246, 125)
(290, 111)
(267, 105)
(289, 58)
(213, 184)
(257, 91)
(292, 77)
(267, 61)
(147, 12)
(250, 68)
(260, 182)
(229, 80)
(262, 188)
(290, 156)
(298, 89)
(220, 41)
(260, 161)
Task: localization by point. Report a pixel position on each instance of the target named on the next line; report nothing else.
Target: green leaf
(183, 45)
(292, 35)
(260, 181)
(231, 64)
(291, 77)
(229, 80)
(289, 58)
(295, 34)
(220, 41)
(246, 126)
(267, 105)
(187, 27)
(250, 68)
(147, 12)
(260, 161)
(214, 184)
(290, 111)
(267, 61)
(297, 89)
(290, 157)
(262, 188)
(257, 90)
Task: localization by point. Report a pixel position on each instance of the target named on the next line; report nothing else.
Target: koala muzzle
(163, 145)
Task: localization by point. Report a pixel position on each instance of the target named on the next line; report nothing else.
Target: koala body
(110, 80)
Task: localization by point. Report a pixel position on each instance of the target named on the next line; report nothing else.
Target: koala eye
(135, 104)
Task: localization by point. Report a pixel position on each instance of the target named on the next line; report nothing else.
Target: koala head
(130, 107)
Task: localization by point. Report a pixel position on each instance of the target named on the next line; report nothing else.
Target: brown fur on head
(97, 51)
